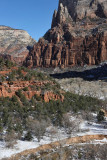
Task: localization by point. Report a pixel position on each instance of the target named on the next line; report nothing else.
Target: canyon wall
(15, 44)
(78, 36)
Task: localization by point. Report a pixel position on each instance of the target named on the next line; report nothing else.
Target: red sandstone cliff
(78, 36)
(8, 89)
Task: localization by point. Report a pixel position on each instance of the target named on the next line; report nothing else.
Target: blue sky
(34, 16)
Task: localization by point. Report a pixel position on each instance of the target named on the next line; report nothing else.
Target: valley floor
(95, 132)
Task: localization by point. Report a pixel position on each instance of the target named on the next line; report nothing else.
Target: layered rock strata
(15, 44)
(78, 36)
(9, 89)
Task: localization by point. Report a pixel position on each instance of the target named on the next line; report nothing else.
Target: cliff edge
(78, 36)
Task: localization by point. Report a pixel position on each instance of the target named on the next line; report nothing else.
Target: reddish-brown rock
(47, 96)
(78, 36)
(8, 89)
(15, 44)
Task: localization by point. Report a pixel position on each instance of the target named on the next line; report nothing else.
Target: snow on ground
(86, 128)
(25, 145)
(20, 146)
(92, 129)
(102, 141)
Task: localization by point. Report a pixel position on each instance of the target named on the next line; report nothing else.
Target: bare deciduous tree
(70, 125)
(38, 128)
(10, 139)
(87, 115)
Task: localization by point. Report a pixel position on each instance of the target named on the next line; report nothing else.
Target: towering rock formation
(78, 36)
(15, 43)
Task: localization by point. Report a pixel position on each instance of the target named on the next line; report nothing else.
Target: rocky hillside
(15, 43)
(29, 83)
(78, 36)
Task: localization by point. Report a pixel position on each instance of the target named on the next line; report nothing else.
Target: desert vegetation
(5, 64)
(23, 118)
(19, 115)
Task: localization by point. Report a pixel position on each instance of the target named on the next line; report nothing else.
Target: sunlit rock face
(15, 43)
(78, 36)
(79, 9)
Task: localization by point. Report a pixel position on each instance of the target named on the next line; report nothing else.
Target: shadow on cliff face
(98, 73)
(29, 47)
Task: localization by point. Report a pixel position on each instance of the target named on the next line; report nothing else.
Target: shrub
(28, 77)
(38, 98)
(19, 93)
(28, 136)
(14, 99)
(100, 116)
(2, 78)
(9, 64)
(25, 89)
